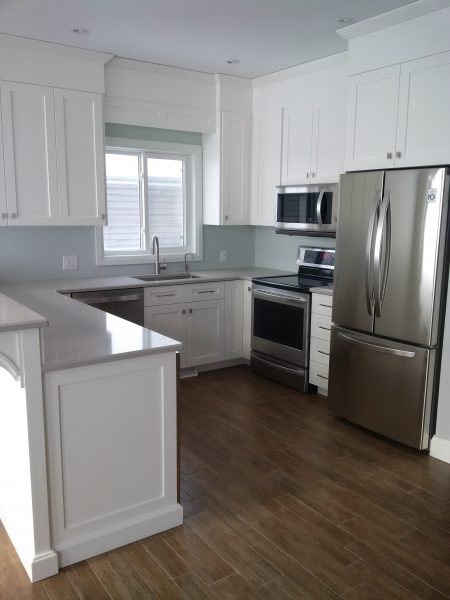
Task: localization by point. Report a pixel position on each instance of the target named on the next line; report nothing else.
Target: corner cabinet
(314, 141)
(226, 171)
(266, 165)
(53, 156)
(398, 116)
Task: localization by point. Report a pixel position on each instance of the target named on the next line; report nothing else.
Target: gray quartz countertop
(15, 316)
(78, 334)
(325, 290)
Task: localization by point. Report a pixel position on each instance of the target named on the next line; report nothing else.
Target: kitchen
(279, 497)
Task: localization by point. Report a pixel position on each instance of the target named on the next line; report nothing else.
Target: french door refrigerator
(389, 286)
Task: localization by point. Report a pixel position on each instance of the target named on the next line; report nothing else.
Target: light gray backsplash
(279, 251)
(36, 252)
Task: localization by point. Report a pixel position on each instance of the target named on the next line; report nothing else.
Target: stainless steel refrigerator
(388, 293)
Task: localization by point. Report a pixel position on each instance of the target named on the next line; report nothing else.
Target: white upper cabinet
(314, 141)
(297, 143)
(53, 155)
(423, 130)
(372, 119)
(80, 157)
(266, 166)
(399, 116)
(226, 171)
(29, 154)
(328, 145)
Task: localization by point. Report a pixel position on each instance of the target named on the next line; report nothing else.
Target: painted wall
(280, 251)
(36, 252)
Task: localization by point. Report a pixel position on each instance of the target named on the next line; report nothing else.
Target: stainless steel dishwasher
(125, 303)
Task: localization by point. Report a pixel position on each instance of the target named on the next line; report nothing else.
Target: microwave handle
(319, 207)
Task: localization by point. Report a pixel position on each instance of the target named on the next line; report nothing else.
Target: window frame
(193, 202)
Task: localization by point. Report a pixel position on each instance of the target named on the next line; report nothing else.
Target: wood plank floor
(281, 501)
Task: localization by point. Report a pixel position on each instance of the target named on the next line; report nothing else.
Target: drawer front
(164, 294)
(318, 375)
(321, 326)
(204, 291)
(319, 351)
(322, 304)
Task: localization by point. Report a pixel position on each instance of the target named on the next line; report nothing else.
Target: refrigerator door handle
(319, 207)
(378, 348)
(369, 254)
(381, 271)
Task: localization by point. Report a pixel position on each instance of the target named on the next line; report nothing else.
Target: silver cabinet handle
(103, 216)
(190, 311)
(165, 295)
(13, 215)
(322, 352)
(226, 217)
(4, 215)
(377, 347)
(183, 312)
(307, 175)
(205, 291)
(326, 328)
(322, 376)
(325, 305)
(398, 155)
(313, 174)
(389, 155)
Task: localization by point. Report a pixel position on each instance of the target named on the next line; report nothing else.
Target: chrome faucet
(186, 266)
(155, 250)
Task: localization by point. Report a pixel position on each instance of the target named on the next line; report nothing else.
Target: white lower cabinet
(207, 318)
(319, 348)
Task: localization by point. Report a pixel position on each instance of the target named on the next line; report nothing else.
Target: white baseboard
(440, 448)
(42, 566)
(82, 548)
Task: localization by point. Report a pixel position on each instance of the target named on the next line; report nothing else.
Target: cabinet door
(247, 321)
(235, 168)
(170, 321)
(297, 142)
(234, 317)
(81, 157)
(205, 332)
(328, 146)
(423, 132)
(372, 119)
(266, 166)
(3, 209)
(30, 154)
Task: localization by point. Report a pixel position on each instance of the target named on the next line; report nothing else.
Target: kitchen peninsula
(88, 440)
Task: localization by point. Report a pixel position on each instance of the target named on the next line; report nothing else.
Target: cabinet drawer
(204, 291)
(321, 304)
(164, 294)
(321, 326)
(320, 351)
(318, 375)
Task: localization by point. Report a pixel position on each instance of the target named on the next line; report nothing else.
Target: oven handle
(279, 297)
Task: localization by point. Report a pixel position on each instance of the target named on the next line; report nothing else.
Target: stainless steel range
(281, 318)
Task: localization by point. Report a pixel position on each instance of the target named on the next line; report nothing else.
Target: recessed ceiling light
(347, 20)
(233, 61)
(81, 30)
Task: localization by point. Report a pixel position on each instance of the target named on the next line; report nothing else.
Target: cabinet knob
(226, 217)
(190, 311)
(13, 215)
(183, 312)
(389, 155)
(307, 175)
(103, 217)
(4, 215)
(398, 155)
(313, 174)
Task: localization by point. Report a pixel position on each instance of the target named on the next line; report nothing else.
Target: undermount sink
(166, 277)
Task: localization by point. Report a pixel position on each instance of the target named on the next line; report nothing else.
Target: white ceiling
(266, 35)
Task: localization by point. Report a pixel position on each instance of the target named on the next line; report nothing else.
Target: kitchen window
(151, 190)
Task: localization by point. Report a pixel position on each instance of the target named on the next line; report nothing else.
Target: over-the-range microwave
(307, 209)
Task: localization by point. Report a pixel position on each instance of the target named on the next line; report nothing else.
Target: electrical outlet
(223, 256)
(70, 263)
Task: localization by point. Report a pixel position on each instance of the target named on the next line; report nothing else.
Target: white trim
(194, 213)
(130, 531)
(143, 66)
(392, 17)
(440, 448)
(42, 566)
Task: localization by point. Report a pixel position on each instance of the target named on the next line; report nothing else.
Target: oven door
(280, 324)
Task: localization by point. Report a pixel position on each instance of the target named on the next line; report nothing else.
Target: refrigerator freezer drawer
(382, 385)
